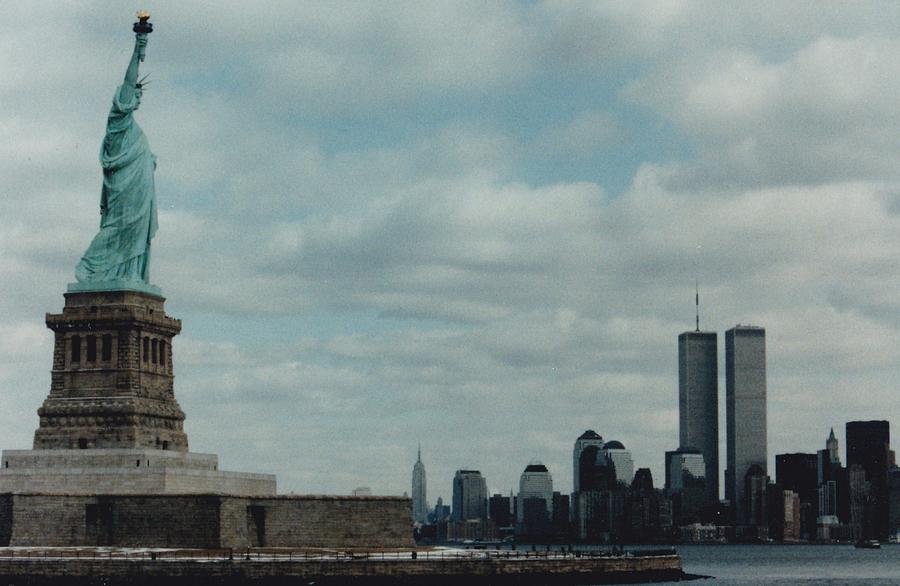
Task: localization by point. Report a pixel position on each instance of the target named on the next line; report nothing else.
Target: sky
(471, 225)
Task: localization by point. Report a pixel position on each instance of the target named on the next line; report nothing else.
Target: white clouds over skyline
(474, 226)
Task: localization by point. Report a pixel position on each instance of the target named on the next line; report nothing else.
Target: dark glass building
(698, 401)
(799, 473)
(469, 496)
(868, 445)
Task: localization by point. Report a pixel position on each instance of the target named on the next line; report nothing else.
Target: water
(807, 565)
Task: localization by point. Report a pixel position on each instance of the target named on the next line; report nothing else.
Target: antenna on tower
(697, 301)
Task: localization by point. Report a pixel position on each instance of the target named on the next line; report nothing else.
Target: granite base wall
(5, 519)
(316, 521)
(204, 521)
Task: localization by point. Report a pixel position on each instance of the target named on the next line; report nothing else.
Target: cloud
(478, 227)
(822, 114)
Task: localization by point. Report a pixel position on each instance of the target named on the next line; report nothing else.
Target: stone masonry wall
(124, 521)
(164, 521)
(5, 519)
(53, 521)
(316, 521)
(205, 521)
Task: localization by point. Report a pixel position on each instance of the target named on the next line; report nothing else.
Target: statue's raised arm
(119, 256)
(131, 74)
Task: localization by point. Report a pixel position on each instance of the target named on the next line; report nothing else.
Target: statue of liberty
(119, 256)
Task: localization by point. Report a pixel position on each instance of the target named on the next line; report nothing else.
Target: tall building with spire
(698, 398)
(745, 417)
(420, 508)
(831, 444)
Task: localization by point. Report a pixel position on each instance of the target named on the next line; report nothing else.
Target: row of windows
(105, 348)
(153, 350)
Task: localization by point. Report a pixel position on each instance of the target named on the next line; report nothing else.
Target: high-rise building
(420, 508)
(798, 473)
(615, 452)
(469, 496)
(831, 444)
(894, 502)
(686, 484)
(745, 417)
(683, 466)
(535, 482)
(588, 438)
(698, 401)
(500, 510)
(868, 445)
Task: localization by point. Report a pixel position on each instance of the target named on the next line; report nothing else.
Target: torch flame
(143, 15)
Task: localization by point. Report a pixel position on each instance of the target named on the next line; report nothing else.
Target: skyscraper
(698, 401)
(588, 438)
(868, 445)
(616, 452)
(535, 482)
(798, 473)
(420, 508)
(534, 505)
(469, 496)
(686, 484)
(745, 421)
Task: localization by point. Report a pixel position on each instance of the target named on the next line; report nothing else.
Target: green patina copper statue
(119, 256)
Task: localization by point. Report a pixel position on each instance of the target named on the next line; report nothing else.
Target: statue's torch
(143, 27)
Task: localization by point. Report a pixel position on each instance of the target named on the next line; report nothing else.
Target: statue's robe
(121, 249)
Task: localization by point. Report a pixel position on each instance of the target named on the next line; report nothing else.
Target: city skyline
(469, 226)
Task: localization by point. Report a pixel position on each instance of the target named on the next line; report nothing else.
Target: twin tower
(745, 408)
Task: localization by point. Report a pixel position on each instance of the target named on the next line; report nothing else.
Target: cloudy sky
(474, 225)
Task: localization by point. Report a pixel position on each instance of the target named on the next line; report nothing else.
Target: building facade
(535, 482)
(698, 401)
(469, 496)
(745, 417)
(868, 446)
(616, 452)
(585, 440)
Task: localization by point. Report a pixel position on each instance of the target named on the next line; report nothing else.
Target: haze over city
(477, 227)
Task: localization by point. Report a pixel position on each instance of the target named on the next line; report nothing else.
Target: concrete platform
(125, 471)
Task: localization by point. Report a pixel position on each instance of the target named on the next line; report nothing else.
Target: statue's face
(138, 92)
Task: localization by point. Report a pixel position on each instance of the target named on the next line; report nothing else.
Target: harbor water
(807, 565)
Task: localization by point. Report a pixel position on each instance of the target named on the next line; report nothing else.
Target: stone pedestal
(111, 424)
(112, 378)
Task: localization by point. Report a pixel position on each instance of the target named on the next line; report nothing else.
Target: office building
(614, 451)
(798, 473)
(686, 484)
(698, 401)
(535, 482)
(585, 440)
(469, 496)
(500, 510)
(868, 446)
(745, 420)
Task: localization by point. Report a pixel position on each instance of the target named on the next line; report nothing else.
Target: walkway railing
(275, 555)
